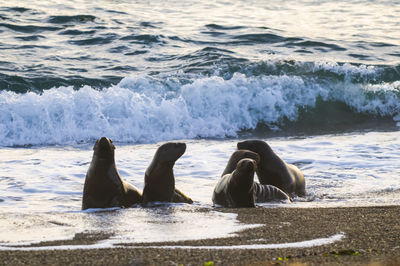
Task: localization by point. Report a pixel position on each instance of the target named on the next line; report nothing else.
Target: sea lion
(263, 193)
(104, 187)
(238, 190)
(236, 157)
(272, 170)
(159, 180)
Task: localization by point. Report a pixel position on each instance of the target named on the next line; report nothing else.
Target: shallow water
(116, 226)
(42, 187)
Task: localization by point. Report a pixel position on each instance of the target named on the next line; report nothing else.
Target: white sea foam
(62, 247)
(301, 244)
(141, 109)
(347, 70)
(108, 244)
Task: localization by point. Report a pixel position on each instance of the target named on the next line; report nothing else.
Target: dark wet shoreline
(372, 234)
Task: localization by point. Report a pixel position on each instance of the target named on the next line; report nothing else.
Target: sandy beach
(371, 236)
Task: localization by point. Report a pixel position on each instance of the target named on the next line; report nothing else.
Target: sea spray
(145, 109)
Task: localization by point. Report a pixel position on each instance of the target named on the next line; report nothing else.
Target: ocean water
(318, 80)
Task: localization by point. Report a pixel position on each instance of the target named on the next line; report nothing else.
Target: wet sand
(371, 236)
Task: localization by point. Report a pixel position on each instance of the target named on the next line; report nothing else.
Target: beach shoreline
(371, 236)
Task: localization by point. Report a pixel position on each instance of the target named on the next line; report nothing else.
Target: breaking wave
(143, 108)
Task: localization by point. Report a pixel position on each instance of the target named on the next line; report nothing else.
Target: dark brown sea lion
(272, 170)
(236, 157)
(238, 190)
(262, 193)
(159, 180)
(104, 188)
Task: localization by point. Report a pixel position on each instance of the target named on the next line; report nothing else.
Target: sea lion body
(235, 190)
(238, 189)
(267, 193)
(272, 170)
(262, 193)
(104, 187)
(159, 180)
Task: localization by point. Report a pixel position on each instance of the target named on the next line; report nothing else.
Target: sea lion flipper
(132, 195)
(180, 197)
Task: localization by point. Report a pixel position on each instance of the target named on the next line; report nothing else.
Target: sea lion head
(104, 148)
(170, 152)
(247, 165)
(236, 157)
(249, 155)
(258, 146)
(244, 173)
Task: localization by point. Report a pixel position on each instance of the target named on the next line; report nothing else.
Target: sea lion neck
(160, 167)
(244, 173)
(106, 160)
(246, 180)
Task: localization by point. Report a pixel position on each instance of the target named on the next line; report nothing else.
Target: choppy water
(319, 80)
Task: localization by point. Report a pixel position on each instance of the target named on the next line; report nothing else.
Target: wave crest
(147, 109)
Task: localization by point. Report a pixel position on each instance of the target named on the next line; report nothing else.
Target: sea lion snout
(105, 143)
(247, 164)
(178, 148)
(241, 145)
(181, 146)
(104, 148)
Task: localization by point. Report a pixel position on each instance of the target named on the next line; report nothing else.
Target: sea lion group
(104, 187)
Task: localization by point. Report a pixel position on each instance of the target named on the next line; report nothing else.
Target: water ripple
(305, 44)
(71, 19)
(77, 32)
(221, 27)
(95, 40)
(29, 28)
(143, 38)
(30, 38)
(260, 38)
